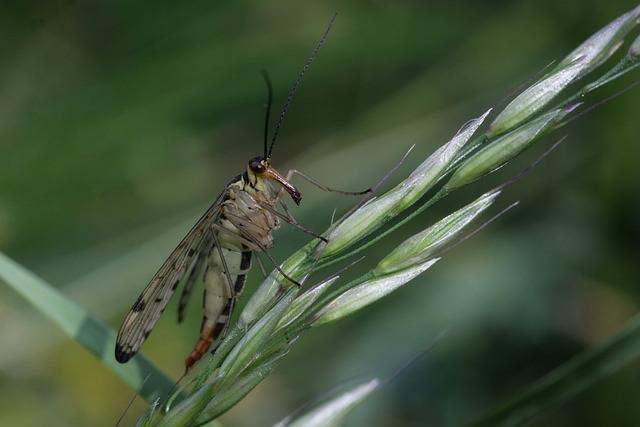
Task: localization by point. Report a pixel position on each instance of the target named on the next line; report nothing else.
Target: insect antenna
(295, 86)
(267, 81)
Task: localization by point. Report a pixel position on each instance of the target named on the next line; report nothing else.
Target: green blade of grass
(79, 324)
(568, 380)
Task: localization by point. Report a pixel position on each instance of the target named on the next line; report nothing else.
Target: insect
(219, 247)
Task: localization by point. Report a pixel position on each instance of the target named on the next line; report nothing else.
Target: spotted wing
(146, 311)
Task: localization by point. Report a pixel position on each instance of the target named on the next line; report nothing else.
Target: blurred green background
(121, 121)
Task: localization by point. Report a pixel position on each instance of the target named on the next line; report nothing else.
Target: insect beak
(274, 175)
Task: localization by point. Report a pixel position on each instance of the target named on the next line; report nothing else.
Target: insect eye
(257, 165)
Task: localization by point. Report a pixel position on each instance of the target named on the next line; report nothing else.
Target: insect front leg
(289, 216)
(321, 186)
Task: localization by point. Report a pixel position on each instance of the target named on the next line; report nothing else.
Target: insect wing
(146, 311)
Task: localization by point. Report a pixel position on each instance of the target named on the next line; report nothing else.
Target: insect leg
(196, 270)
(253, 243)
(261, 266)
(323, 187)
(289, 219)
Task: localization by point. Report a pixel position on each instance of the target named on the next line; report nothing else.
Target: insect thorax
(247, 212)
